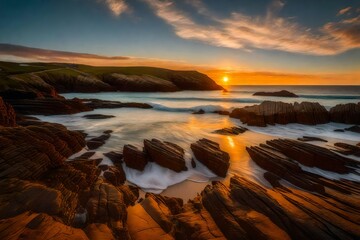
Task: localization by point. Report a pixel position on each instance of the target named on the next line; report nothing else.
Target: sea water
(171, 119)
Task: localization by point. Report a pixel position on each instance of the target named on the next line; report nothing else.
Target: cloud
(23, 54)
(50, 55)
(117, 7)
(343, 11)
(240, 31)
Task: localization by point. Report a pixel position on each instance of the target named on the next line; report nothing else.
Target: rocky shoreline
(46, 195)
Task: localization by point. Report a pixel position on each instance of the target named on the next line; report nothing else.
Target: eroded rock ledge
(308, 113)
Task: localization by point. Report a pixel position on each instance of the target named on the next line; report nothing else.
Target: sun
(225, 79)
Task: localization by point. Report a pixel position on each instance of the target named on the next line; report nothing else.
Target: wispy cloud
(117, 7)
(24, 54)
(240, 31)
(343, 11)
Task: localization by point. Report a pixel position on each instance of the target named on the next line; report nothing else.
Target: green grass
(9, 68)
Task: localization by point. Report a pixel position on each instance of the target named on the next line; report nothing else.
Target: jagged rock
(97, 103)
(355, 129)
(166, 154)
(348, 149)
(7, 114)
(115, 157)
(18, 196)
(269, 112)
(282, 93)
(115, 175)
(200, 111)
(210, 154)
(196, 223)
(220, 112)
(97, 142)
(134, 158)
(312, 156)
(301, 214)
(238, 221)
(85, 156)
(346, 113)
(48, 106)
(309, 139)
(97, 116)
(106, 205)
(74, 180)
(35, 226)
(28, 152)
(231, 130)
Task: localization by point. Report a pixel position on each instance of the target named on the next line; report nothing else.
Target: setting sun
(225, 79)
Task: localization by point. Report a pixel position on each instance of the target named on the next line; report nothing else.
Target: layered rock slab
(210, 154)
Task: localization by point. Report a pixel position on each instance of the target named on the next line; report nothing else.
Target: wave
(330, 97)
(206, 108)
(237, 100)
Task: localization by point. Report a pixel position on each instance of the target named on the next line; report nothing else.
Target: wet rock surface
(134, 158)
(210, 154)
(166, 154)
(97, 116)
(311, 139)
(97, 103)
(231, 131)
(281, 113)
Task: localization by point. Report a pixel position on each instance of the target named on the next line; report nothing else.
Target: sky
(248, 41)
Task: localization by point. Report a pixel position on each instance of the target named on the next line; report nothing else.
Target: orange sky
(274, 78)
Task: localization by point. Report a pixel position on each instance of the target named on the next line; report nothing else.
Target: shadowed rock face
(210, 154)
(48, 106)
(282, 93)
(346, 113)
(7, 114)
(165, 154)
(134, 158)
(282, 113)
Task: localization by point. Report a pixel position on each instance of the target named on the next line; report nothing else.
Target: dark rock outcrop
(166, 154)
(97, 103)
(200, 111)
(97, 142)
(269, 112)
(282, 93)
(38, 226)
(7, 114)
(231, 131)
(48, 106)
(355, 129)
(97, 116)
(115, 157)
(210, 154)
(28, 152)
(309, 139)
(134, 158)
(348, 149)
(346, 113)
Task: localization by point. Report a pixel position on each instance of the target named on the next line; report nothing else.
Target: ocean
(171, 119)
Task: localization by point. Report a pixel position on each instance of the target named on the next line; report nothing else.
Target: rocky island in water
(117, 153)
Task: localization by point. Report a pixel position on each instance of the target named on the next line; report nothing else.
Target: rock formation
(166, 154)
(269, 112)
(210, 154)
(282, 93)
(346, 113)
(7, 114)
